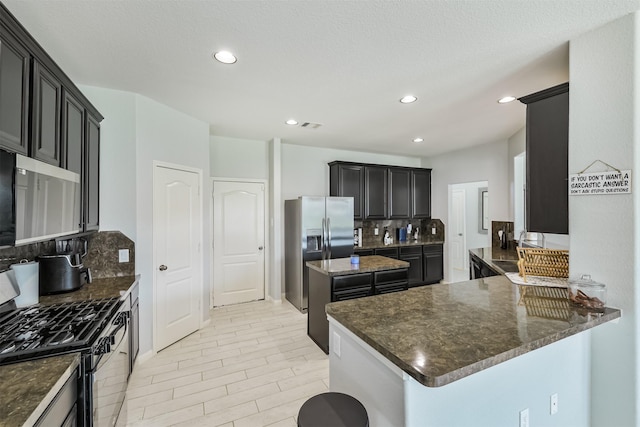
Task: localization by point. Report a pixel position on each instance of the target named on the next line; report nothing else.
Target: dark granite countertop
(395, 244)
(98, 289)
(499, 260)
(368, 264)
(441, 333)
(29, 387)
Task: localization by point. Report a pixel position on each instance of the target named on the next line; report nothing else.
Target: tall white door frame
(200, 260)
(267, 234)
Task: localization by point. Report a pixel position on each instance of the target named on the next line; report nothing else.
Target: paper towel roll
(27, 277)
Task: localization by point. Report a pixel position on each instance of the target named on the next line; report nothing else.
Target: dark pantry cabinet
(547, 134)
(44, 115)
(381, 191)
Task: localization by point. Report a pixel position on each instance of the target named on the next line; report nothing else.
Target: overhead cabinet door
(47, 93)
(15, 65)
(421, 193)
(73, 133)
(346, 180)
(399, 197)
(375, 188)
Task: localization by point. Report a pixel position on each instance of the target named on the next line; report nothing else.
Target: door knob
(260, 248)
(459, 234)
(162, 267)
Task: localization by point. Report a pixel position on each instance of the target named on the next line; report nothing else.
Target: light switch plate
(123, 255)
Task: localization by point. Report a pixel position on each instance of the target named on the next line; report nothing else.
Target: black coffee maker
(64, 271)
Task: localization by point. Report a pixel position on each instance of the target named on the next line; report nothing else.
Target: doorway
(177, 239)
(468, 217)
(239, 242)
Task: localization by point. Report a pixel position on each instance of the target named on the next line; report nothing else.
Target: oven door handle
(108, 345)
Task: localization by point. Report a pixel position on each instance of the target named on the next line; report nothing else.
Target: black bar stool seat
(332, 410)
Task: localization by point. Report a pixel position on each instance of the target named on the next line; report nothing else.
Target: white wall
(239, 158)
(117, 159)
(604, 230)
(305, 171)
(482, 163)
(517, 145)
(136, 131)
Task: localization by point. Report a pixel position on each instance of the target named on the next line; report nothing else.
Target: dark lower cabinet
(324, 289)
(45, 115)
(413, 255)
(387, 252)
(15, 68)
(92, 175)
(62, 411)
(433, 260)
(375, 192)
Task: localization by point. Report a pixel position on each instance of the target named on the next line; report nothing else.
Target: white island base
(491, 397)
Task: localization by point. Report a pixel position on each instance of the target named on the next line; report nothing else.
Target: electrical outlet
(554, 403)
(335, 345)
(524, 418)
(123, 255)
(433, 230)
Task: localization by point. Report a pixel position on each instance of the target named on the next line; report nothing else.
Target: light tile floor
(253, 365)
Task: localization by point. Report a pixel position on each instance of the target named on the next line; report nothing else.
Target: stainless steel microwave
(44, 200)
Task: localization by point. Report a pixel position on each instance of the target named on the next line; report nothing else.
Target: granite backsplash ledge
(102, 255)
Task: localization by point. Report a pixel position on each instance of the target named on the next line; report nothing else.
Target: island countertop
(368, 264)
(441, 333)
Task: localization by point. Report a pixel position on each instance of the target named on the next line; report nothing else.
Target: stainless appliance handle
(110, 347)
(322, 240)
(328, 238)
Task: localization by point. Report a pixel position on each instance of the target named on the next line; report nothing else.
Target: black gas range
(97, 329)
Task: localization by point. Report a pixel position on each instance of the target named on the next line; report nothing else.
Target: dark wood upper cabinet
(399, 193)
(45, 113)
(547, 134)
(347, 180)
(421, 193)
(382, 192)
(375, 192)
(15, 66)
(92, 176)
(73, 133)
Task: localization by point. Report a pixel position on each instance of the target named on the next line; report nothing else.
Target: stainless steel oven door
(111, 370)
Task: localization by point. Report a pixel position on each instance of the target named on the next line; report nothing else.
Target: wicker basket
(543, 262)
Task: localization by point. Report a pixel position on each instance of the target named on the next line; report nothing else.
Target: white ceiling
(343, 64)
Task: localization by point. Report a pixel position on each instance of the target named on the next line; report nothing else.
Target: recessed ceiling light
(225, 57)
(408, 99)
(506, 99)
(418, 140)
(291, 122)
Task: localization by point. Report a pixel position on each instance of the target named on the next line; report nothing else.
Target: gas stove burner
(7, 347)
(86, 317)
(62, 339)
(26, 336)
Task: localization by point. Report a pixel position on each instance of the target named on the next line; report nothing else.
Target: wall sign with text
(612, 182)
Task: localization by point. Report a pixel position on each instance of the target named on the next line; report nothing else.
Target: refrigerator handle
(323, 241)
(328, 238)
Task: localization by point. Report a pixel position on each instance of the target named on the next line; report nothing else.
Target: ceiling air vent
(310, 125)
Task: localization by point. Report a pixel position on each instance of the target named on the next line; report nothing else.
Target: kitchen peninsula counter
(339, 280)
(432, 338)
(367, 264)
(29, 387)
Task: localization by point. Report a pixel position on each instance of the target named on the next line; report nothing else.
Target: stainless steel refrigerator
(315, 228)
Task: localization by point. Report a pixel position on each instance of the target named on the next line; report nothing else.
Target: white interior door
(238, 242)
(177, 225)
(457, 245)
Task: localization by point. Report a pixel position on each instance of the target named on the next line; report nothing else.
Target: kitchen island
(339, 280)
(466, 353)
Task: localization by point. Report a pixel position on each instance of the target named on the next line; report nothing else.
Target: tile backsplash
(102, 254)
(425, 233)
